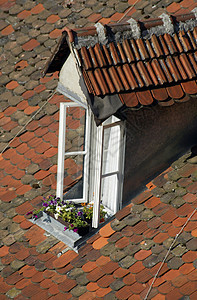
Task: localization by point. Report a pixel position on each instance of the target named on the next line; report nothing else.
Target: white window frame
(121, 140)
(62, 153)
(92, 171)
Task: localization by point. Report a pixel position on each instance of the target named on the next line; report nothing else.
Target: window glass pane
(109, 187)
(110, 150)
(110, 167)
(73, 177)
(75, 129)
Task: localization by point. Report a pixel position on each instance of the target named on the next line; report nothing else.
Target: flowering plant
(88, 211)
(76, 217)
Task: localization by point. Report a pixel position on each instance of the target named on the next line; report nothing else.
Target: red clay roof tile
(189, 87)
(129, 99)
(124, 293)
(176, 75)
(101, 81)
(130, 76)
(93, 58)
(122, 54)
(125, 64)
(99, 243)
(92, 286)
(102, 260)
(175, 92)
(144, 74)
(116, 80)
(123, 78)
(187, 66)
(144, 97)
(135, 49)
(142, 49)
(128, 51)
(160, 94)
(173, 69)
(150, 49)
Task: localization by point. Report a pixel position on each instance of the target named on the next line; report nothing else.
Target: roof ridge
(144, 23)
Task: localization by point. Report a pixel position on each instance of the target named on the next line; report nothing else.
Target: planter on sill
(81, 230)
(56, 228)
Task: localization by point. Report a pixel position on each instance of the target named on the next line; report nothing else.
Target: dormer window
(114, 73)
(90, 159)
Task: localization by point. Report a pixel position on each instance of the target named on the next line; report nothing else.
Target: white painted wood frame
(119, 146)
(62, 153)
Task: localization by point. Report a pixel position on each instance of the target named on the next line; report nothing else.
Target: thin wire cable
(28, 122)
(126, 13)
(169, 252)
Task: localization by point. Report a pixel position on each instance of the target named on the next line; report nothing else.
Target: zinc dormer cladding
(143, 63)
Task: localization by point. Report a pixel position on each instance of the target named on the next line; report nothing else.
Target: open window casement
(108, 167)
(90, 164)
(73, 152)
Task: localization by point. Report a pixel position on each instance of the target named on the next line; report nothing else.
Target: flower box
(81, 230)
(56, 228)
(69, 222)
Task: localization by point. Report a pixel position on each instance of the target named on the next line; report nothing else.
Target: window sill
(68, 237)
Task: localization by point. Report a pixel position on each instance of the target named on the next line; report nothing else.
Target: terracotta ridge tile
(147, 24)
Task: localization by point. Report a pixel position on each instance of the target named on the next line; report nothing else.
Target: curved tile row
(130, 51)
(142, 74)
(164, 96)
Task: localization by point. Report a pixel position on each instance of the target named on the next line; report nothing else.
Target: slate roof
(30, 263)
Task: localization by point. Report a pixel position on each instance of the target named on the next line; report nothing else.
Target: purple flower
(35, 216)
(29, 213)
(71, 225)
(75, 229)
(65, 228)
(79, 213)
(44, 198)
(45, 204)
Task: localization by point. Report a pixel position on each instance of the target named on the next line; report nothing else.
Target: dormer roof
(142, 62)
